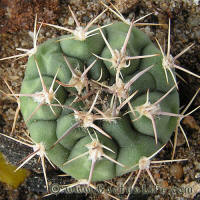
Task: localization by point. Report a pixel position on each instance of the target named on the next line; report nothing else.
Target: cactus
(98, 100)
(119, 70)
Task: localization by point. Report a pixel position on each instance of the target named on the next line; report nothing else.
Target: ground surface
(17, 18)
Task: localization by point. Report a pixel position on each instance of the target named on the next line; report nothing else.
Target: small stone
(156, 175)
(191, 122)
(176, 170)
(180, 139)
(164, 184)
(186, 179)
(197, 176)
(70, 21)
(123, 5)
(86, 19)
(197, 165)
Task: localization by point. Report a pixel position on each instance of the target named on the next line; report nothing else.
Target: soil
(17, 18)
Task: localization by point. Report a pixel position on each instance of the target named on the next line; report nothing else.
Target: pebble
(163, 183)
(70, 21)
(197, 165)
(176, 170)
(180, 139)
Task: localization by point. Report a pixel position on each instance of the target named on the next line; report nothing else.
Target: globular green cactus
(97, 103)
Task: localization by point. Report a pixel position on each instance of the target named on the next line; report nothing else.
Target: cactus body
(131, 138)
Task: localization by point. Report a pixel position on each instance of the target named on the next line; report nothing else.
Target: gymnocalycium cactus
(77, 100)
(97, 101)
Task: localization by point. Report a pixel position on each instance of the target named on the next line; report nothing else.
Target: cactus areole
(99, 103)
